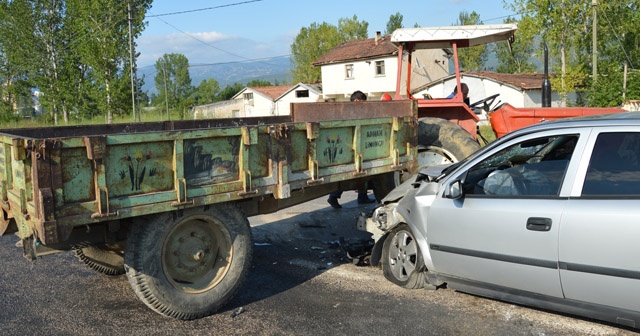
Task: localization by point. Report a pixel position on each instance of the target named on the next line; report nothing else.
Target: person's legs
(333, 199)
(362, 195)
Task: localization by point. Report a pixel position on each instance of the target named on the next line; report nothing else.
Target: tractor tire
(187, 264)
(442, 141)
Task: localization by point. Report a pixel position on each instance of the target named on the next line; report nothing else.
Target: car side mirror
(454, 190)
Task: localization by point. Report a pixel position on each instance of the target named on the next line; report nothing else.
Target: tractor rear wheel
(442, 141)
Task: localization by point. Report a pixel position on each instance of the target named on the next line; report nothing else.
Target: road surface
(301, 283)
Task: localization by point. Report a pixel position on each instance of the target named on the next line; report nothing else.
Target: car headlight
(380, 217)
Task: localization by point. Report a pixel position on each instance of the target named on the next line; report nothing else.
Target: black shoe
(334, 203)
(365, 200)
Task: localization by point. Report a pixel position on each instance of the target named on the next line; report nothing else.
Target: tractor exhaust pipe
(546, 84)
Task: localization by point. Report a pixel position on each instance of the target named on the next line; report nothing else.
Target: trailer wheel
(186, 264)
(106, 259)
(442, 141)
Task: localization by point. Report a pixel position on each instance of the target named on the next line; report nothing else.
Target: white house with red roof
(519, 90)
(371, 66)
(260, 101)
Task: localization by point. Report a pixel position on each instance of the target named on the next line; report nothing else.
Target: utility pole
(132, 64)
(594, 3)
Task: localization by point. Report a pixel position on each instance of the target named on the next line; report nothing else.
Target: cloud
(207, 48)
(152, 47)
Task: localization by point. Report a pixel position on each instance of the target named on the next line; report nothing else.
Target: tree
(352, 29)
(395, 22)
(106, 46)
(316, 40)
(311, 43)
(229, 91)
(474, 58)
(563, 25)
(258, 82)
(16, 67)
(207, 92)
(173, 82)
(608, 90)
(515, 56)
(75, 52)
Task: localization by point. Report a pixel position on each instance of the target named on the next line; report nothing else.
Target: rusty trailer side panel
(56, 179)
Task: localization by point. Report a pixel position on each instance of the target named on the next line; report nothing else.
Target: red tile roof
(358, 50)
(272, 92)
(526, 81)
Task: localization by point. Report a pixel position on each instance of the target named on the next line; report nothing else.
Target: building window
(348, 71)
(379, 68)
(302, 93)
(248, 98)
(235, 113)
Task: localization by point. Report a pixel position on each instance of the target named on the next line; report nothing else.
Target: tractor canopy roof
(444, 37)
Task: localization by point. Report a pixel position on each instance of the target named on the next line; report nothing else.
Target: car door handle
(539, 224)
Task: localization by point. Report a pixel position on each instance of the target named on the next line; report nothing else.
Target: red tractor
(448, 127)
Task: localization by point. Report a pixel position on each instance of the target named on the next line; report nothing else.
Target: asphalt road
(301, 283)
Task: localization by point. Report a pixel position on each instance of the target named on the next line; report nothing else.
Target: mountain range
(275, 70)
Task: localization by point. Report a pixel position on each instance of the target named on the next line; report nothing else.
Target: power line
(157, 16)
(204, 9)
(199, 40)
(221, 63)
(626, 55)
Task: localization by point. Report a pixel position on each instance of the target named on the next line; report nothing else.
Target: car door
(600, 228)
(506, 235)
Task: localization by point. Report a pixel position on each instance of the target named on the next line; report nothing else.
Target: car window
(534, 167)
(614, 166)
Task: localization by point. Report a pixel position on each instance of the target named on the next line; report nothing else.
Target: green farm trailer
(167, 202)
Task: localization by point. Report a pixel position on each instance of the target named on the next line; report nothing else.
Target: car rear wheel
(402, 261)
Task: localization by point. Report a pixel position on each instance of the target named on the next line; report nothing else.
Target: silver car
(547, 216)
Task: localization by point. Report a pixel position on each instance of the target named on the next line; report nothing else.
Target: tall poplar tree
(395, 22)
(474, 58)
(563, 25)
(515, 56)
(104, 46)
(317, 39)
(173, 82)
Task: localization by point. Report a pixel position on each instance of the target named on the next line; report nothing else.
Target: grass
(486, 132)
(146, 116)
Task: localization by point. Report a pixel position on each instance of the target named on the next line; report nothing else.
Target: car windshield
(531, 167)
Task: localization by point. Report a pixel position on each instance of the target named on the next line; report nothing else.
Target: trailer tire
(187, 264)
(442, 141)
(103, 259)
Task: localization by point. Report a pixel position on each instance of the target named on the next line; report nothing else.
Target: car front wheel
(402, 261)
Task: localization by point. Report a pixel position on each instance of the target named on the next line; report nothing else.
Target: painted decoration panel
(134, 169)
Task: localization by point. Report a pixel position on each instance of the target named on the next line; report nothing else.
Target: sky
(223, 31)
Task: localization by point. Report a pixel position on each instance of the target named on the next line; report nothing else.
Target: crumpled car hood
(429, 173)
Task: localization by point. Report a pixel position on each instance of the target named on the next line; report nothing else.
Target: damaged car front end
(401, 244)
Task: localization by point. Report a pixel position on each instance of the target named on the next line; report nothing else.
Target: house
(519, 90)
(371, 66)
(221, 109)
(260, 101)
